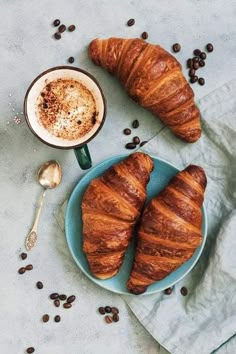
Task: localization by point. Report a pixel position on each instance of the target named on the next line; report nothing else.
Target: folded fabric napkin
(205, 320)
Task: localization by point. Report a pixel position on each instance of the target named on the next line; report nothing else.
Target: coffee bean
(209, 47)
(143, 143)
(184, 291)
(57, 303)
(191, 72)
(130, 146)
(168, 291)
(136, 140)
(202, 62)
(30, 350)
(131, 22)
(71, 299)
(127, 131)
(71, 60)
(114, 310)
(195, 65)
(67, 305)
(108, 319)
(193, 79)
(57, 35)
(56, 22)
(176, 47)
(203, 55)
(57, 318)
(23, 255)
(29, 267)
(62, 297)
(197, 52)
(102, 310)
(144, 35)
(116, 317)
(195, 59)
(54, 296)
(201, 81)
(71, 28)
(45, 318)
(21, 270)
(108, 309)
(39, 285)
(62, 28)
(190, 63)
(135, 123)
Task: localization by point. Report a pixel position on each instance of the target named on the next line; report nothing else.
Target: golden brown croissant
(153, 78)
(170, 229)
(111, 207)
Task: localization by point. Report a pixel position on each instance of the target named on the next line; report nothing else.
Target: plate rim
(96, 280)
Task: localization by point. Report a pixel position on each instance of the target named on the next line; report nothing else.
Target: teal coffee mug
(65, 108)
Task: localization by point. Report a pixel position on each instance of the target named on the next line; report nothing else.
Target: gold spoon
(49, 176)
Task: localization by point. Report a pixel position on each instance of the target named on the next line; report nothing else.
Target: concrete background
(28, 48)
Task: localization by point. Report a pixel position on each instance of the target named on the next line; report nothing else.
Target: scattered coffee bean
(201, 81)
(29, 267)
(143, 143)
(136, 140)
(203, 55)
(144, 35)
(67, 305)
(209, 47)
(197, 52)
(184, 291)
(127, 131)
(62, 28)
(190, 63)
(130, 146)
(195, 59)
(57, 303)
(54, 296)
(23, 256)
(57, 35)
(202, 62)
(39, 285)
(193, 79)
(30, 350)
(71, 60)
(115, 317)
(131, 22)
(108, 319)
(57, 318)
(168, 291)
(195, 65)
(102, 310)
(21, 270)
(114, 310)
(108, 309)
(62, 297)
(56, 22)
(45, 318)
(71, 28)
(191, 72)
(71, 299)
(135, 123)
(176, 47)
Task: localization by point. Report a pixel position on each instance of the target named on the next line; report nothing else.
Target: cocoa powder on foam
(67, 109)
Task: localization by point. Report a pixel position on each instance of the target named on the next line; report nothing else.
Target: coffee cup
(65, 108)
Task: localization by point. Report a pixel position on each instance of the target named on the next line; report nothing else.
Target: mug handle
(83, 157)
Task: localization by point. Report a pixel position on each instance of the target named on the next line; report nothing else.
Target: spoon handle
(32, 236)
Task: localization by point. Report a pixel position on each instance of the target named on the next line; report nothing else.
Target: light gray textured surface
(27, 48)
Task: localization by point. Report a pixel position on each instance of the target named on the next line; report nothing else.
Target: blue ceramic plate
(161, 175)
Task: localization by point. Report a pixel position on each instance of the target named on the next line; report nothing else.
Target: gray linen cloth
(204, 321)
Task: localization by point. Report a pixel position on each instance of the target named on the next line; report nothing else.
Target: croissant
(111, 207)
(153, 78)
(170, 229)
